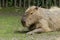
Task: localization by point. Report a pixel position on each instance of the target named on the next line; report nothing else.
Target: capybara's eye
(31, 13)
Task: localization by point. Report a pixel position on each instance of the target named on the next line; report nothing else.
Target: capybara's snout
(23, 21)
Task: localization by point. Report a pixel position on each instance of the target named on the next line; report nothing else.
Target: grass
(8, 25)
(10, 22)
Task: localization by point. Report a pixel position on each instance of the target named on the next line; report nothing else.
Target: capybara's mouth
(32, 27)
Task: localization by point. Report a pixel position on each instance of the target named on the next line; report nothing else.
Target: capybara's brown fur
(41, 20)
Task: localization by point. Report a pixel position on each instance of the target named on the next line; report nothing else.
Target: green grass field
(10, 23)
(8, 26)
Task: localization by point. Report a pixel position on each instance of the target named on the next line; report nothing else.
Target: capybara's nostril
(24, 22)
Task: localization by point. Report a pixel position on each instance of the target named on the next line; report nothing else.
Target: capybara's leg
(45, 25)
(36, 31)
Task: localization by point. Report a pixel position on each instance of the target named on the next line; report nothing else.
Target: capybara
(38, 19)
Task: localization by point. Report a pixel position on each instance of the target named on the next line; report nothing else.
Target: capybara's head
(30, 17)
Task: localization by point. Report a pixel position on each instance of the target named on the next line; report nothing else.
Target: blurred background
(27, 3)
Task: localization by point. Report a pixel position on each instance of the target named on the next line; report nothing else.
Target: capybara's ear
(36, 8)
